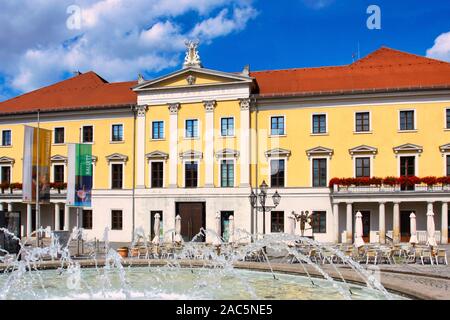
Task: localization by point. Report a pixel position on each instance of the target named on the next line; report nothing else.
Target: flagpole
(38, 207)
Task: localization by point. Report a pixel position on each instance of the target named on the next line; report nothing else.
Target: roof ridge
(296, 69)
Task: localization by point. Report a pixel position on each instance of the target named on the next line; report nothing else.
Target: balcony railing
(389, 189)
(422, 236)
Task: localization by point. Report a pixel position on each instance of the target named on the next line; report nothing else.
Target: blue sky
(39, 48)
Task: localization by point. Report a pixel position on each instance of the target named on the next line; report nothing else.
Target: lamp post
(262, 197)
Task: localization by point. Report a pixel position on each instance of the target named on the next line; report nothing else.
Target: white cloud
(118, 38)
(317, 4)
(441, 48)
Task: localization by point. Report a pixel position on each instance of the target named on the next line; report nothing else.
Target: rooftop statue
(192, 57)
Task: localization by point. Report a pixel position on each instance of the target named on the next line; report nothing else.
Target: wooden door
(192, 219)
(405, 226)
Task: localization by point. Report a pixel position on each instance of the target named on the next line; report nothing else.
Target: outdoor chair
(328, 256)
(312, 255)
(388, 256)
(426, 254)
(441, 254)
(371, 255)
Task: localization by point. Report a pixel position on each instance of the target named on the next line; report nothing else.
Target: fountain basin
(169, 282)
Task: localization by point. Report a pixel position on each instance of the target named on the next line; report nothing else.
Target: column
(57, 220)
(382, 222)
(245, 143)
(209, 143)
(10, 207)
(173, 154)
(140, 146)
(349, 231)
(396, 223)
(336, 222)
(444, 223)
(29, 219)
(66, 218)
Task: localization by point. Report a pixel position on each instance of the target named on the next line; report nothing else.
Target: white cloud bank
(118, 38)
(441, 48)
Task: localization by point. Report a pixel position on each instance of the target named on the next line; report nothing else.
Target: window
(227, 173)
(319, 173)
(407, 169)
(87, 219)
(116, 219)
(362, 122)
(158, 130)
(61, 218)
(362, 167)
(407, 120)
(277, 127)
(117, 176)
(58, 173)
(6, 174)
(277, 222)
(6, 138)
(152, 224)
(319, 123)
(448, 165)
(319, 222)
(117, 132)
(59, 135)
(192, 128)
(191, 174)
(447, 111)
(227, 127)
(277, 171)
(157, 174)
(88, 134)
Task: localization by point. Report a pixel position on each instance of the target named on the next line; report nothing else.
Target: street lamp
(262, 197)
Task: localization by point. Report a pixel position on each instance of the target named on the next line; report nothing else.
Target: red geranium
(334, 181)
(429, 181)
(390, 181)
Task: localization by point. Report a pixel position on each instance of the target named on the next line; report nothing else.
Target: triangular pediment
(227, 153)
(157, 155)
(317, 151)
(7, 160)
(117, 157)
(408, 147)
(193, 77)
(58, 158)
(278, 152)
(191, 154)
(363, 149)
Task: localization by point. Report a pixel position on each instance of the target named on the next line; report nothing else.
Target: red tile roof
(87, 90)
(383, 70)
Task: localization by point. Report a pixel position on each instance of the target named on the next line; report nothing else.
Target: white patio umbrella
(231, 238)
(291, 229)
(359, 242)
(413, 226)
(431, 229)
(178, 237)
(216, 241)
(156, 229)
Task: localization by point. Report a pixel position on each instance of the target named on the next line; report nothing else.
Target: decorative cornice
(245, 104)
(174, 108)
(7, 160)
(278, 152)
(58, 158)
(210, 105)
(408, 147)
(363, 149)
(227, 153)
(117, 157)
(191, 154)
(317, 151)
(141, 110)
(157, 155)
(445, 148)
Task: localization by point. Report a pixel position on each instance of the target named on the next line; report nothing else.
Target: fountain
(193, 271)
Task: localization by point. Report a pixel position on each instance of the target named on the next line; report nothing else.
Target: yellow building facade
(197, 142)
